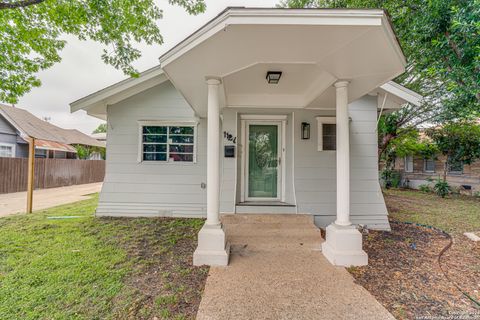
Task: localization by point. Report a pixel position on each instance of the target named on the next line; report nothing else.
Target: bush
(425, 188)
(442, 188)
(390, 178)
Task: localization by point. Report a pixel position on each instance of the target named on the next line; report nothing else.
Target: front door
(263, 161)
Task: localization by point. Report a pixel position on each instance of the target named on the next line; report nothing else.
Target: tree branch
(19, 4)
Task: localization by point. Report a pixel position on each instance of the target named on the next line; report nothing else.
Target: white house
(259, 111)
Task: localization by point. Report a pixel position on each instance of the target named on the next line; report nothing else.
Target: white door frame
(280, 121)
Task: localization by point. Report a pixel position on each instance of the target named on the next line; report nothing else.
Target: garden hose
(445, 249)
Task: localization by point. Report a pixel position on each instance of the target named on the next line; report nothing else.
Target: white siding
(315, 176)
(310, 174)
(148, 189)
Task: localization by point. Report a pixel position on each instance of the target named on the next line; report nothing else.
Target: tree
(101, 128)
(31, 35)
(84, 152)
(459, 142)
(441, 40)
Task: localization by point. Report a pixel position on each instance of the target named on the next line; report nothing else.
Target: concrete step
(265, 209)
(265, 219)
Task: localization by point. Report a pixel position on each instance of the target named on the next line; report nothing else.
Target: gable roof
(95, 103)
(30, 126)
(232, 18)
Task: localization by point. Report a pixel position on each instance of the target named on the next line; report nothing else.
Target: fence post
(31, 173)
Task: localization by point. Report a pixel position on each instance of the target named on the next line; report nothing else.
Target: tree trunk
(445, 169)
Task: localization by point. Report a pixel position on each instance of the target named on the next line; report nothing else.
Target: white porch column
(343, 154)
(213, 153)
(343, 243)
(212, 249)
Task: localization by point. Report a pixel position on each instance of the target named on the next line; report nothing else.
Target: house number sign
(229, 137)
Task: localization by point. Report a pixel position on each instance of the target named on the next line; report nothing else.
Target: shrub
(425, 188)
(391, 178)
(442, 188)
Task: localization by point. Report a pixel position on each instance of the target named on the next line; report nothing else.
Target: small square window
(327, 134)
(7, 150)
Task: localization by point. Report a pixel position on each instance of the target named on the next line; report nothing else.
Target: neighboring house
(259, 111)
(100, 136)
(16, 125)
(416, 171)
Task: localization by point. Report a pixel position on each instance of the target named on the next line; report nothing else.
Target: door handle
(279, 161)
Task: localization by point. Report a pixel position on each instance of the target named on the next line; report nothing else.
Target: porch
(277, 271)
(276, 60)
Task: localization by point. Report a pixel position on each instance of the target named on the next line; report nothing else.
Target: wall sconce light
(305, 130)
(273, 77)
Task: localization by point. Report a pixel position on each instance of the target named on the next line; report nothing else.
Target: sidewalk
(277, 272)
(11, 203)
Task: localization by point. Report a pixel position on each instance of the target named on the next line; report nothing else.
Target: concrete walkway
(11, 203)
(277, 271)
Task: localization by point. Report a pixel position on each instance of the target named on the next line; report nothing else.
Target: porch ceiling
(313, 49)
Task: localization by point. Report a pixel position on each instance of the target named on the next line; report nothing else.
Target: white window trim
(320, 122)
(405, 164)
(173, 123)
(13, 146)
(425, 165)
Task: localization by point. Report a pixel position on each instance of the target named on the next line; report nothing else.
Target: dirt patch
(164, 283)
(404, 274)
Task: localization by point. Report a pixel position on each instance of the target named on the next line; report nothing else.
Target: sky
(82, 71)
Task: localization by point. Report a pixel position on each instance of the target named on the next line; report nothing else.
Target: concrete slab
(277, 271)
(12, 203)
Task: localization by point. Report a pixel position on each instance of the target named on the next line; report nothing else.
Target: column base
(212, 249)
(343, 246)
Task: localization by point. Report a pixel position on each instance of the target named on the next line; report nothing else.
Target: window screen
(329, 136)
(168, 143)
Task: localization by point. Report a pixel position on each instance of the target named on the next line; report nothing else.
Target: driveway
(11, 203)
(277, 271)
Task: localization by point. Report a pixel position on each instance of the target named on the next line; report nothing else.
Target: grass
(455, 213)
(92, 268)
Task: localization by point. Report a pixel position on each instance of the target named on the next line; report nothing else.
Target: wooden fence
(49, 173)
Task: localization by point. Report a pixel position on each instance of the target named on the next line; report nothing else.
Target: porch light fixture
(305, 130)
(273, 77)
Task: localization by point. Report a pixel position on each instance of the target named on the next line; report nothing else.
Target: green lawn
(92, 268)
(455, 213)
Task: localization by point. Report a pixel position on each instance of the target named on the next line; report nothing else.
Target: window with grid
(429, 165)
(329, 136)
(168, 143)
(6, 151)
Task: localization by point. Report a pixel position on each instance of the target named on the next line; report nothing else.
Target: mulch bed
(405, 276)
